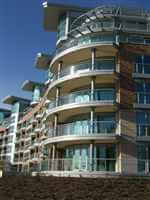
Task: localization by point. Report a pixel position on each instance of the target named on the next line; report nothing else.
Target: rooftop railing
(107, 11)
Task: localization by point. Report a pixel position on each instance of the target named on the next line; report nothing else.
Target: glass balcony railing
(85, 40)
(103, 96)
(71, 164)
(85, 128)
(103, 65)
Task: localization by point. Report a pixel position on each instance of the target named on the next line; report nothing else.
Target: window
(147, 41)
(15, 108)
(101, 64)
(11, 129)
(143, 151)
(13, 119)
(143, 91)
(36, 94)
(142, 64)
(62, 26)
(143, 123)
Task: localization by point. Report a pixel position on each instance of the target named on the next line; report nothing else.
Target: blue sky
(22, 36)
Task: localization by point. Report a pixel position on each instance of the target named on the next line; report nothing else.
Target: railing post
(91, 156)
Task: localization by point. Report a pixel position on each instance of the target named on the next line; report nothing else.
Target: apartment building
(8, 126)
(92, 114)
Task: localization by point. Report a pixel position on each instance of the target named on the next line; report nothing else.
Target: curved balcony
(83, 130)
(77, 49)
(76, 75)
(80, 101)
(79, 166)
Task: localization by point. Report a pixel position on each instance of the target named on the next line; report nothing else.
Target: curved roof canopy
(30, 85)
(52, 11)
(13, 99)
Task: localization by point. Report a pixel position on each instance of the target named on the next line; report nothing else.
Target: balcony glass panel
(82, 67)
(85, 128)
(88, 39)
(104, 64)
(103, 95)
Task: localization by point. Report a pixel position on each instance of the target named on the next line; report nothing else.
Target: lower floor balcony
(78, 164)
(83, 130)
(95, 165)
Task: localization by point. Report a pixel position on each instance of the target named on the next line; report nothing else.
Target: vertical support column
(117, 38)
(28, 167)
(55, 124)
(147, 160)
(92, 87)
(18, 164)
(49, 152)
(92, 121)
(59, 69)
(57, 96)
(53, 157)
(93, 53)
(67, 23)
(91, 156)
